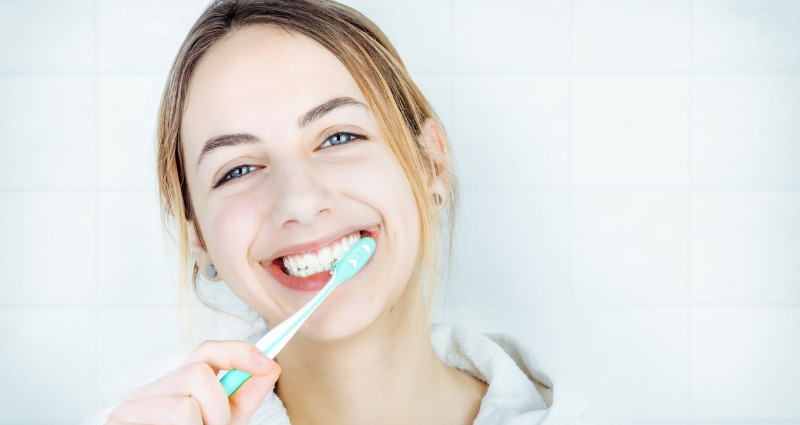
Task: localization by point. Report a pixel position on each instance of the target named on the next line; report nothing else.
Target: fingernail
(262, 360)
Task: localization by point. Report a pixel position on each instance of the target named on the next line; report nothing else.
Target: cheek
(231, 230)
(392, 191)
(387, 187)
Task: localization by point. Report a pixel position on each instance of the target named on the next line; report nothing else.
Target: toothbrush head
(354, 259)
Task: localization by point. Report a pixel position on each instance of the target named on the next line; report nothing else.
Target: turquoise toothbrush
(272, 343)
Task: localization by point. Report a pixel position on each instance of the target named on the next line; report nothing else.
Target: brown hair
(365, 51)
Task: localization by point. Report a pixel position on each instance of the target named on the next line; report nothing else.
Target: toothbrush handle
(276, 338)
(233, 379)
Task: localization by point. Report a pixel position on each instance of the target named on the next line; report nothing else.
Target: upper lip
(304, 247)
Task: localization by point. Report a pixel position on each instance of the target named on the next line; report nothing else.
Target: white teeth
(312, 262)
(304, 265)
(325, 255)
(338, 251)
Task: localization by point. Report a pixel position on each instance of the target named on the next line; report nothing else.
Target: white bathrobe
(518, 394)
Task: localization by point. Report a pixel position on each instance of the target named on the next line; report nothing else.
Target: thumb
(245, 401)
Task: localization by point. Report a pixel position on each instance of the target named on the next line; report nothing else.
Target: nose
(301, 194)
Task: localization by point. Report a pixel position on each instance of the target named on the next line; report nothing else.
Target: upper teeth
(303, 265)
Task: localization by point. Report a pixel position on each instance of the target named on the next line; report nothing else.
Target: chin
(337, 325)
(347, 313)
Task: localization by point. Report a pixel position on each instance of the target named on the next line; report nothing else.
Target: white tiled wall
(48, 131)
(630, 130)
(631, 35)
(535, 121)
(630, 198)
(745, 130)
(630, 247)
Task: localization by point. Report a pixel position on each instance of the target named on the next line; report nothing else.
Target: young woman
(289, 128)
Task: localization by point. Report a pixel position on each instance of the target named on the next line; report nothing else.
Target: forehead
(258, 76)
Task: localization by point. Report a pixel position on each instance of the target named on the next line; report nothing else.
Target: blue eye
(340, 139)
(235, 173)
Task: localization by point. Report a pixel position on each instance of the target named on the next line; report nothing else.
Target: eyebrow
(313, 114)
(226, 140)
(319, 111)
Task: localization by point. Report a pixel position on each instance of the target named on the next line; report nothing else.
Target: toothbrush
(272, 343)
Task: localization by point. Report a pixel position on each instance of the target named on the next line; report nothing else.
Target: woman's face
(285, 160)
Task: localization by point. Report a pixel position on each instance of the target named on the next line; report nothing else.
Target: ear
(432, 138)
(201, 257)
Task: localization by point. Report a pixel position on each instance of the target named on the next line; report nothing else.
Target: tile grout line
(452, 71)
(601, 189)
(690, 207)
(452, 74)
(631, 304)
(461, 73)
(95, 310)
(571, 198)
(448, 307)
(74, 190)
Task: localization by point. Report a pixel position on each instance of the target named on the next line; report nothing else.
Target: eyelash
(229, 175)
(341, 133)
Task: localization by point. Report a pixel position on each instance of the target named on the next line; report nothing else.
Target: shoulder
(518, 391)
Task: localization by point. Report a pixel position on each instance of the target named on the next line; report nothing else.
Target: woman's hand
(192, 394)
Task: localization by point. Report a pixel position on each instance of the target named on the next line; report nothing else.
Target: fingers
(232, 355)
(158, 410)
(197, 381)
(249, 396)
(193, 393)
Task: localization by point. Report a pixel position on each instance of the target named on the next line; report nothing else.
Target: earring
(211, 271)
(436, 198)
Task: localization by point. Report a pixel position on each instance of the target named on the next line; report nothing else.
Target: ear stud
(211, 271)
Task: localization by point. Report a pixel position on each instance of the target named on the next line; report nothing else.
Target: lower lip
(315, 282)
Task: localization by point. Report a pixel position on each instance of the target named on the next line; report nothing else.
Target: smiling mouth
(321, 259)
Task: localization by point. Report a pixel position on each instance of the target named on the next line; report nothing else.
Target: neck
(371, 376)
